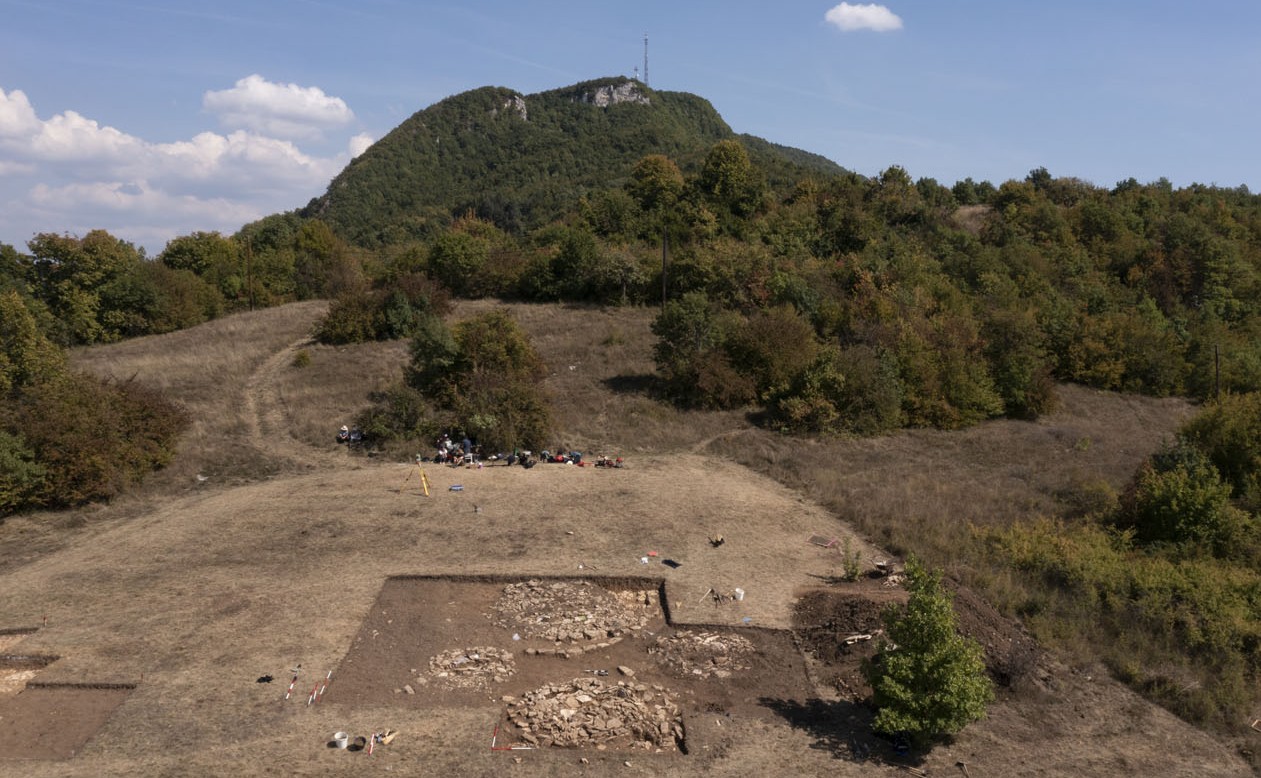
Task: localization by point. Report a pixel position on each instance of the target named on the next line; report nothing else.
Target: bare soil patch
(54, 722)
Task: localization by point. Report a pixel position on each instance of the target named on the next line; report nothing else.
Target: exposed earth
(530, 608)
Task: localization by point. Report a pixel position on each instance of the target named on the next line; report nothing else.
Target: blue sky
(153, 119)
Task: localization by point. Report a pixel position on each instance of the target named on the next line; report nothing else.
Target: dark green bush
(393, 308)
(95, 438)
(481, 378)
(22, 480)
(1179, 498)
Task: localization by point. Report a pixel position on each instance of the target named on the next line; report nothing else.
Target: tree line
(822, 303)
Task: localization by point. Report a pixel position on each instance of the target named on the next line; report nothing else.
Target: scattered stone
(573, 612)
(408, 688)
(473, 667)
(626, 671)
(588, 712)
(703, 654)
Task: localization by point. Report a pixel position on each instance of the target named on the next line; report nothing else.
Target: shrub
(482, 378)
(1179, 498)
(22, 479)
(351, 319)
(497, 375)
(95, 438)
(1229, 432)
(931, 681)
(394, 308)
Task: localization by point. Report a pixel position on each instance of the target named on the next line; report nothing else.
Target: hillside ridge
(522, 160)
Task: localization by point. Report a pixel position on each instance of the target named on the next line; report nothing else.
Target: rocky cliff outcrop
(613, 94)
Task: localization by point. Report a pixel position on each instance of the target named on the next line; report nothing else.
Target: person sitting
(343, 434)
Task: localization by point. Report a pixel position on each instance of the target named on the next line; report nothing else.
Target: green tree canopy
(729, 180)
(482, 378)
(71, 273)
(27, 356)
(656, 183)
(928, 680)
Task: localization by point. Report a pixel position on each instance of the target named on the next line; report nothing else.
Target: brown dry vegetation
(194, 587)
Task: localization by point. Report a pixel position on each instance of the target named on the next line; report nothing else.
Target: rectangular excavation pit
(464, 626)
(17, 670)
(54, 721)
(11, 636)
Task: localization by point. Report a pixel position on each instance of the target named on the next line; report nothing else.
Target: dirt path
(700, 447)
(264, 407)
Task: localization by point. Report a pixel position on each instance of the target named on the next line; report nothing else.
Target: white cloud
(240, 159)
(69, 137)
(136, 198)
(285, 110)
(69, 173)
(17, 117)
(137, 211)
(863, 17)
(359, 144)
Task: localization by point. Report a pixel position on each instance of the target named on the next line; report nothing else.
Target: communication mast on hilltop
(645, 59)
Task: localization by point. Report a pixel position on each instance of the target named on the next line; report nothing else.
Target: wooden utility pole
(249, 271)
(1217, 372)
(665, 251)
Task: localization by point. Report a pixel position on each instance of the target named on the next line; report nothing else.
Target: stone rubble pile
(473, 667)
(589, 712)
(572, 611)
(703, 654)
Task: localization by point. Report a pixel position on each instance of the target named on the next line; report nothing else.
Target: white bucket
(739, 594)
(340, 739)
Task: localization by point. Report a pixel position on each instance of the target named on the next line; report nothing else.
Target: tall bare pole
(665, 254)
(249, 270)
(645, 59)
(1217, 372)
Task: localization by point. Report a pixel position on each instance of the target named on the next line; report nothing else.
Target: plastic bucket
(340, 739)
(739, 594)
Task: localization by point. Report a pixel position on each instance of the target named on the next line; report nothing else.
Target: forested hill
(522, 160)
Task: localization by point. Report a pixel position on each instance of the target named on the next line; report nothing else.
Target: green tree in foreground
(930, 681)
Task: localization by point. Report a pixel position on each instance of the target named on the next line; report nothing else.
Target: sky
(157, 118)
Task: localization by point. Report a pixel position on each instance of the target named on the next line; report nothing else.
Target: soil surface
(53, 722)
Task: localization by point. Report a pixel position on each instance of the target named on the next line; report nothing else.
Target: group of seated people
(349, 435)
(452, 453)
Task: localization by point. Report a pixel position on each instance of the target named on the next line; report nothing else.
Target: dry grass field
(266, 546)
